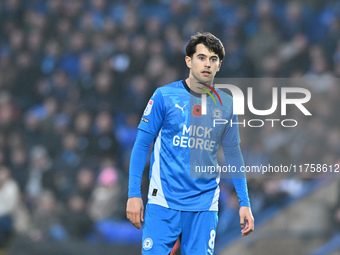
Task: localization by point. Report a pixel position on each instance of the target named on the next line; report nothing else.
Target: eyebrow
(203, 55)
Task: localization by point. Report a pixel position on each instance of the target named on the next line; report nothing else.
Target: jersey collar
(185, 85)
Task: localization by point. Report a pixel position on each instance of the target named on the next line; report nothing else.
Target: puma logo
(182, 108)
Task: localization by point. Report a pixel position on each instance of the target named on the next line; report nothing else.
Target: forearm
(240, 185)
(234, 157)
(137, 162)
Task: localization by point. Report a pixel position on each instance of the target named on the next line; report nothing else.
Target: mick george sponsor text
(199, 138)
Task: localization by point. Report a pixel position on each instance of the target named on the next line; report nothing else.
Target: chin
(206, 79)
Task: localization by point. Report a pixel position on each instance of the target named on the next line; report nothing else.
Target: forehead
(202, 49)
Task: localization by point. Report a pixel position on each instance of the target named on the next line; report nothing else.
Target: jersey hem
(185, 210)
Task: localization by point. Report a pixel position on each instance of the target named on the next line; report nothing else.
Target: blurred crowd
(75, 77)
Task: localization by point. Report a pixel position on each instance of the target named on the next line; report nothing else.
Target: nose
(207, 63)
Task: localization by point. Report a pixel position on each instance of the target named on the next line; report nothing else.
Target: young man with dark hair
(179, 205)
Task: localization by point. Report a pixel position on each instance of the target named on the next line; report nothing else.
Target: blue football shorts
(162, 227)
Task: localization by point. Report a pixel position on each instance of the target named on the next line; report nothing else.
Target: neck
(196, 85)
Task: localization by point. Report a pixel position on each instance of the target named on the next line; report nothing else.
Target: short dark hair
(207, 39)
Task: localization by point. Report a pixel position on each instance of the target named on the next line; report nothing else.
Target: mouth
(206, 73)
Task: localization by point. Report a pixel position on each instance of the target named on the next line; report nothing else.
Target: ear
(188, 61)
(219, 66)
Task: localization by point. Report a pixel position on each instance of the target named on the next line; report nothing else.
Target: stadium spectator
(104, 143)
(9, 200)
(85, 183)
(18, 162)
(75, 220)
(104, 202)
(39, 173)
(45, 217)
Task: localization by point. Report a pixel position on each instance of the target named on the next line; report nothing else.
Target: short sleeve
(231, 136)
(153, 115)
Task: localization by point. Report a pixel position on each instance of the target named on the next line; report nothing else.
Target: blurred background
(75, 77)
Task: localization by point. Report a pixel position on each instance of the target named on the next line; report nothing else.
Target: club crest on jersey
(148, 108)
(217, 113)
(147, 244)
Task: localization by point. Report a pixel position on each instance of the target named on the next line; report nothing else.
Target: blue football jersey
(186, 142)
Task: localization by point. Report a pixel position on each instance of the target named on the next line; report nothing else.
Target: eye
(201, 58)
(214, 59)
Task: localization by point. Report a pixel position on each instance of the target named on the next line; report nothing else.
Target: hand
(135, 211)
(246, 220)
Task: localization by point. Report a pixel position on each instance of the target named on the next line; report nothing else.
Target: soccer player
(184, 137)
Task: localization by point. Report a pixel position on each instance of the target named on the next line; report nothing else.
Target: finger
(129, 216)
(132, 217)
(137, 225)
(137, 220)
(248, 229)
(242, 222)
(245, 226)
(247, 232)
(142, 215)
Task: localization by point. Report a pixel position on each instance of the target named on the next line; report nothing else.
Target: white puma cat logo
(182, 108)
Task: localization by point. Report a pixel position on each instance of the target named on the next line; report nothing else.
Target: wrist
(131, 195)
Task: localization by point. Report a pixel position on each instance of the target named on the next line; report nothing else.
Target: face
(203, 65)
